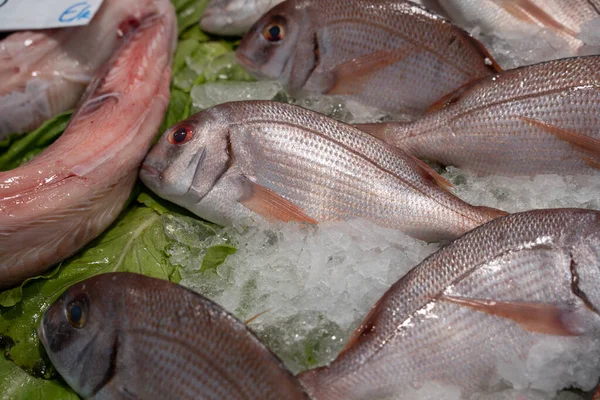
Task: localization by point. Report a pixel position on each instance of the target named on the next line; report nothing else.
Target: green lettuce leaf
(16, 384)
(136, 243)
(24, 148)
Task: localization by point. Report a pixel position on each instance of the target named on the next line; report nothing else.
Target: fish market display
(240, 161)
(234, 17)
(76, 188)
(549, 24)
(389, 54)
(538, 119)
(460, 318)
(124, 335)
(44, 73)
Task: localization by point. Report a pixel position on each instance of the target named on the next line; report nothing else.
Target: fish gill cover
(313, 286)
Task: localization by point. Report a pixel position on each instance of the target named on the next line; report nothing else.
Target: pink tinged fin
(257, 315)
(528, 11)
(272, 206)
(532, 317)
(351, 76)
(583, 142)
(449, 98)
(390, 132)
(366, 328)
(429, 173)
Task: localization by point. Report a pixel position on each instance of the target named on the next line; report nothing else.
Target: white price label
(36, 14)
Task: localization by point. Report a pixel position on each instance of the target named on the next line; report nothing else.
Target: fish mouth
(150, 171)
(247, 63)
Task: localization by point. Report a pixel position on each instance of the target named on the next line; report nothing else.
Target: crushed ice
(314, 285)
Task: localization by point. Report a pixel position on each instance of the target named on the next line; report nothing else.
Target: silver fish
(128, 336)
(538, 119)
(44, 73)
(512, 19)
(234, 17)
(389, 54)
(481, 302)
(256, 160)
(71, 192)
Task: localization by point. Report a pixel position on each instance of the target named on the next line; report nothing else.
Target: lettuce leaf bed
(135, 242)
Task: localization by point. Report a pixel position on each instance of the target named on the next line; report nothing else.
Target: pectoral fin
(272, 206)
(350, 76)
(528, 11)
(532, 317)
(585, 143)
(429, 173)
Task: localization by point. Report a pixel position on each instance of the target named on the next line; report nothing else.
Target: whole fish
(244, 161)
(389, 54)
(128, 336)
(67, 195)
(44, 72)
(516, 19)
(233, 17)
(537, 119)
(477, 306)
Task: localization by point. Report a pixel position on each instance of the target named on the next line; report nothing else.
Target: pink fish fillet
(45, 72)
(64, 198)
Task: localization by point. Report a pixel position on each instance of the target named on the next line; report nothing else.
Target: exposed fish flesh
(66, 196)
(476, 305)
(44, 72)
(233, 17)
(128, 336)
(538, 119)
(245, 161)
(389, 54)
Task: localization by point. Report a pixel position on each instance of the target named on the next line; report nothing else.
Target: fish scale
(190, 348)
(326, 169)
(483, 129)
(412, 336)
(423, 56)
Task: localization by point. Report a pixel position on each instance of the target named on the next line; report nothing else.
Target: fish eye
(181, 134)
(275, 31)
(77, 313)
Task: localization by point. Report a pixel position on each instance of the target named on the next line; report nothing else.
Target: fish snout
(152, 176)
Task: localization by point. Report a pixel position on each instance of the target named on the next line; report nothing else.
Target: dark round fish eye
(274, 32)
(181, 134)
(77, 314)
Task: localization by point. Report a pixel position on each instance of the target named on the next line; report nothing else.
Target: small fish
(511, 19)
(128, 336)
(475, 305)
(389, 54)
(66, 196)
(257, 160)
(234, 17)
(537, 119)
(44, 72)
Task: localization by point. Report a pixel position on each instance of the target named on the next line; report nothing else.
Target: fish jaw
(76, 188)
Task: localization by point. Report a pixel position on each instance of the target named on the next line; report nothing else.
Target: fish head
(189, 158)
(79, 334)
(228, 17)
(279, 45)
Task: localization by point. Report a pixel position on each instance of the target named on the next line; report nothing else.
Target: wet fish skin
(245, 162)
(526, 17)
(389, 54)
(233, 17)
(44, 72)
(75, 189)
(148, 338)
(545, 258)
(531, 120)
